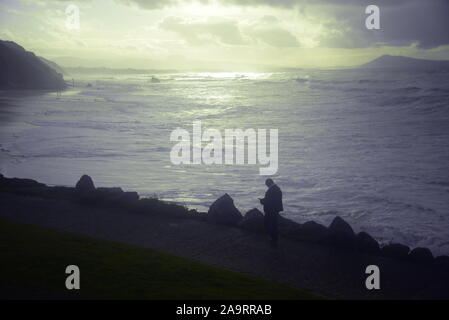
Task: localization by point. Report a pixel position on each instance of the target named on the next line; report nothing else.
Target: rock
(158, 207)
(311, 232)
(254, 214)
(125, 199)
(287, 226)
(68, 193)
(421, 255)
(395, 250)
(366, 243)
(253, 220)
(16, 183)
(85, 184)
(442, 262)
(195, 214)
(106, 193)
(341, 234)
(340, 226)
(223, 211)
(105, 196)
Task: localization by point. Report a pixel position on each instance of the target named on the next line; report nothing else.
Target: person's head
(269, 182)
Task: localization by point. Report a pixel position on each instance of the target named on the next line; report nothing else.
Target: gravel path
(324, 270)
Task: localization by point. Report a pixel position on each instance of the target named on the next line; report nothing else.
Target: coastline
(328, 261)
(392, 188)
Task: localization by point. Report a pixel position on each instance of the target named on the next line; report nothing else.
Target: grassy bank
(34, 261)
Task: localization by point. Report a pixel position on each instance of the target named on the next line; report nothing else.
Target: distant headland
(401, 62)
(22, 69)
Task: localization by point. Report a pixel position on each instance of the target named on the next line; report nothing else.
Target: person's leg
(267, 222)
(274, 227)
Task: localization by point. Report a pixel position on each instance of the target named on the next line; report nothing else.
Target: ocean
(371, 146)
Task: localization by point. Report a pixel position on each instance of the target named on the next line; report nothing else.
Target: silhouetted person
(272, 205)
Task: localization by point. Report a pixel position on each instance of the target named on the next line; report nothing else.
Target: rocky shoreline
(223, 211)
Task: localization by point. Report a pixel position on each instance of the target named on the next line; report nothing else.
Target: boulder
(340, 226)
(311, 232)
(341, 234)
(124, 199)
(16, 183)
(287, 226)
(442, 262)
(223, 211)
(395, 250)
(366, 243)
(253, 220)
(158, 207)
(195, 214)
(68, 193)
(421, 255)
(85, 184)
(108, 193)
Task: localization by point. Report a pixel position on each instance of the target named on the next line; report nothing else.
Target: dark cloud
(424, 23)
(403, 22)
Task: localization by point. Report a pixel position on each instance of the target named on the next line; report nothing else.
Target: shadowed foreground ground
(324, 270)
(35, 259)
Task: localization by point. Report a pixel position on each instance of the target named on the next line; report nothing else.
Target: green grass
(33, 259)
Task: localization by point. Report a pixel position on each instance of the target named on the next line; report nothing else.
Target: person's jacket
(273, 200)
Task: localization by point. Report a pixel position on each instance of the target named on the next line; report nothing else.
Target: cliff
(21, 69)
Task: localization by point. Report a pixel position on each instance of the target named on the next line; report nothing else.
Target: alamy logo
(72, 21)
(372, 22)
(73, 280)
(373, 280)
(190, 150)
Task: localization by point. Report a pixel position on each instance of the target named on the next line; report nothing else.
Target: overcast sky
(228, 34)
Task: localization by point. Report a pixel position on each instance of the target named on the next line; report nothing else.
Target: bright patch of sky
(228, 34)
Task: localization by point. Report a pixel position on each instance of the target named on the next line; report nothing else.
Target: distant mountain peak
(401, 62)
